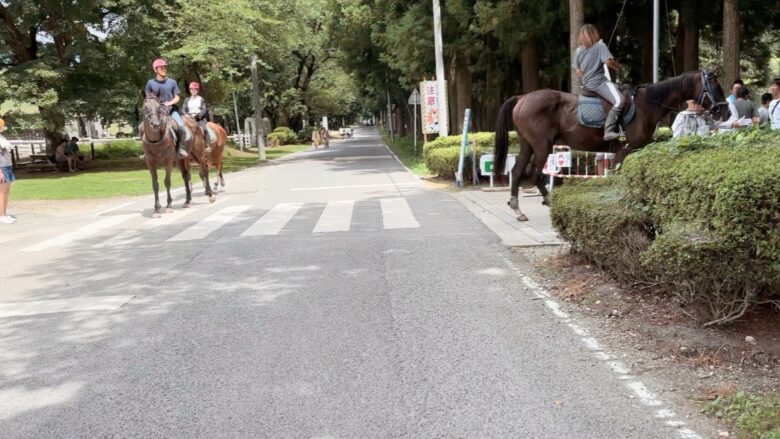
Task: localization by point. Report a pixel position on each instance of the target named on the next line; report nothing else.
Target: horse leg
(204, 175)
(155, 188)
(168, 167)
(540, 178)
(517, 172)
(185, 175)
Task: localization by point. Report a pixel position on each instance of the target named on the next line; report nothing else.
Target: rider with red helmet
(167, 91)
(195, 107)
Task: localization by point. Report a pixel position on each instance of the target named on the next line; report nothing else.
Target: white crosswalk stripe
(396, 214)
(274, 220)
(208, 225)
(337, 217)
(80, 233)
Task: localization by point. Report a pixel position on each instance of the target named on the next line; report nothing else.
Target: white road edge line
(644, 395)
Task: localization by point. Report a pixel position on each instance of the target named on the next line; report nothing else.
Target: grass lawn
(403, 147)
(121, 177)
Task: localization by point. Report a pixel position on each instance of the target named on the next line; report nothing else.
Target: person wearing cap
(690, 122)
(167, 91)
(6, 176)
(195, 107)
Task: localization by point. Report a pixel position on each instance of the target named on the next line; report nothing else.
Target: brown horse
(158, 143)
(547, 117)
(199, 154)
(214, 153)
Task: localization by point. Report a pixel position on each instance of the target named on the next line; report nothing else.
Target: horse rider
(195, 107)
(167, 91)
(589, 60)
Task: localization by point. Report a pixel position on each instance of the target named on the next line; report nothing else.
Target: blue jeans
(182, 128)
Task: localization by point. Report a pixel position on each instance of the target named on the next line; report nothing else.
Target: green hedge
(698, 217)
(441, 155)
(282, 136)
(121, 149)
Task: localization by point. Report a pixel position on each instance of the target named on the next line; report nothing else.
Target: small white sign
(414, 98)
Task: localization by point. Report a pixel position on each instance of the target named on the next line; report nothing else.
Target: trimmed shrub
(593, 217)
(710, 210)
(282, 136)
(304, 135)
(122, 149)
(441, 155)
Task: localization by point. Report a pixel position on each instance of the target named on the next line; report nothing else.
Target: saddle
(592, 109)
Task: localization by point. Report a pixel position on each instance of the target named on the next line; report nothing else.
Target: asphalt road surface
(328, 295)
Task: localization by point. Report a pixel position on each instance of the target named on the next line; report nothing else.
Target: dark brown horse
(213, 154)
(547, 117)
(158, 143)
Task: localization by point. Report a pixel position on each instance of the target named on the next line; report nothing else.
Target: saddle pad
(212, 136)
(591, 114)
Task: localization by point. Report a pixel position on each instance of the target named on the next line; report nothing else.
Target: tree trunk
(576, 20)
(452, 97)
(690, 52)
(730, 41)
(463, 86)
(530, 60)
(647, 50)
(492, 95)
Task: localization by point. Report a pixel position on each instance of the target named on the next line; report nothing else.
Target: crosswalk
(336, 216)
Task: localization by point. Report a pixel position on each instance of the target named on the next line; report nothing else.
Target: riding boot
(181, 143)
(206, 138)
(611, 125)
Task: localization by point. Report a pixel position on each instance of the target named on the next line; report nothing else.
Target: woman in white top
(195, 107)
(6, 177)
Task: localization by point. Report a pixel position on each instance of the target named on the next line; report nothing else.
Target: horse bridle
(162, 113)
(708, 93)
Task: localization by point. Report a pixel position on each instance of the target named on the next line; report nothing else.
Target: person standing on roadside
(774, 105)
(6, 176)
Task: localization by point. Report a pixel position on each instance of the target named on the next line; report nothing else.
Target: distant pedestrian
(6, 177)
(774, 105)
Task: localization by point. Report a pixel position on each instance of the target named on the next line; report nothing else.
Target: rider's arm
(612, 64)
(173, 101)
(203, 110)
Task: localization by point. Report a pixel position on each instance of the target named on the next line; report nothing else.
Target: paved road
(327, 296)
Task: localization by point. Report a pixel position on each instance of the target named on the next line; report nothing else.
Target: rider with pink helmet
(195, 107)
(167, 91)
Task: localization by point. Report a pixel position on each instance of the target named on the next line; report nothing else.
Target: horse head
(155, 116)
(709, 95)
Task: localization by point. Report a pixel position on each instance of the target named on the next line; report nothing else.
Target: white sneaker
(7, 220)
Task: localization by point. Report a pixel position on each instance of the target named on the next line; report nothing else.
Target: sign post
(463, 142)
(414, 101)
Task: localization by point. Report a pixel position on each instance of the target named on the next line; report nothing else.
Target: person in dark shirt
(167, 91)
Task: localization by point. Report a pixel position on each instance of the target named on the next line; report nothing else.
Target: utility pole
(440, 84)
(656, 41)
(238, 123)
(259, 132)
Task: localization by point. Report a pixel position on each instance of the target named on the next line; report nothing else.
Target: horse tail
(503, 122)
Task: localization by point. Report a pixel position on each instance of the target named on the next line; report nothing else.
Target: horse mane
(679, 84)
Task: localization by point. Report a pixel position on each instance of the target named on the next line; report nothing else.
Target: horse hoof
(212, 199)
(156, 215)
(168, 210)
(521, 217)
(185, 205)
(546, 201)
